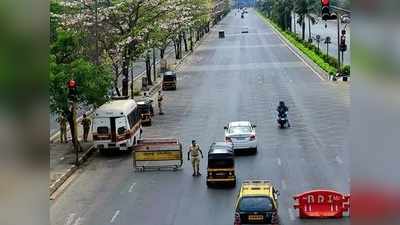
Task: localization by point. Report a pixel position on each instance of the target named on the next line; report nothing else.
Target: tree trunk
(180, 46)
(309, 30)
(116, 87)
(303, 28)
(191, 40)
(176, 50)
(148, 69)
(185, 41)
(162, 52)
(125, 73)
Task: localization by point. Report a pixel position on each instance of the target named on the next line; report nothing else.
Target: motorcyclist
(282, 111)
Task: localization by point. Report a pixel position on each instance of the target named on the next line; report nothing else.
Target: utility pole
(72, 97)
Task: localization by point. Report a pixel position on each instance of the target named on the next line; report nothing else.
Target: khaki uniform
(86, 122)
(63, 129)
(195, 154)
(159, 100)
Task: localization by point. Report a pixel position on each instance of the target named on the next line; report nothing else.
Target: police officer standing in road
(86, 127)
(63, 128)
(160, 99)
(195, 152)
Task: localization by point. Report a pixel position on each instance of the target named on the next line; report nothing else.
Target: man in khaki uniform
(160, 99)
(63, 128)
(86, 127)
(195, 152)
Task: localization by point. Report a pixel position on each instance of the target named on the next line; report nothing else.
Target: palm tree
(306, 9)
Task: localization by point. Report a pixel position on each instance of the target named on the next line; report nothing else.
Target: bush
(327, 63)
(346, 70)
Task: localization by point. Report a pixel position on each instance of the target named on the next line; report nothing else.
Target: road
(331, 31)
(241, 77)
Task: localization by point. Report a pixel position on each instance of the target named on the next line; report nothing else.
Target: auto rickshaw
(221, 165)
(146, 111)
(169, 80)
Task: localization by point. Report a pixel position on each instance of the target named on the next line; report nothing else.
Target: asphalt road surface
(241, 77)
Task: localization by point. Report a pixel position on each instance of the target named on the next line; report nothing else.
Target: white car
(245, 30)
(242, 134)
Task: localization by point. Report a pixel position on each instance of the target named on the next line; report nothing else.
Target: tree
(67, 63)
(306, 9)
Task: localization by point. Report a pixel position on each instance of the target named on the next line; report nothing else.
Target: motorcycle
(282, 120)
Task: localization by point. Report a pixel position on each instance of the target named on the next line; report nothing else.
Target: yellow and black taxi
(257, 203)
(145, 108)
(169, 80)
(221, 165)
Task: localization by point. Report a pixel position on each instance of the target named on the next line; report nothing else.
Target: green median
(327, 63)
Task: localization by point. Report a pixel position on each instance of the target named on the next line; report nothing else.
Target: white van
(117, 125)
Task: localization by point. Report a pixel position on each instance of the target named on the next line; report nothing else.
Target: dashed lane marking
(279, 161)
(115, 216)
(132, 187)
(339, 160)
(284, 185)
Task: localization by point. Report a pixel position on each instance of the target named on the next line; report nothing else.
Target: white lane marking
(70, 219)
(284, 186)
(279, 162)
(78, 221)
(291, 214)
(131, 187)
(339, 160)
(115, 216)
(295, 53)
(62, 158)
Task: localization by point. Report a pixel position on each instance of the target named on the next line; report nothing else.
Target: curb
(56, 184)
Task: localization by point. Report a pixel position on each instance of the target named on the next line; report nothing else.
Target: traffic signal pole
(338, 43)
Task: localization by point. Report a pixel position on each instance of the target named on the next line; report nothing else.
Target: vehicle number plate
(220, 174)
(256, 217)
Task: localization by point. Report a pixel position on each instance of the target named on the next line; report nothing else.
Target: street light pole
(338, 43)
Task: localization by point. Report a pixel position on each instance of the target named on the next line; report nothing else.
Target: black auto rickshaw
(221, 165)
(145, 107)
(169, 80)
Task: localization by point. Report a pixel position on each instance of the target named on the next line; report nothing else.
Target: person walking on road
(86, 122)
(195, 152)
(160, 99)
(63, 128)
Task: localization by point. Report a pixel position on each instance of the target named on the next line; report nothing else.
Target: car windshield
(169, 78)
(220, 163)
(239, 130)
(256, 204)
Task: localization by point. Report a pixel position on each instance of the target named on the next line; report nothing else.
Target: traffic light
(326, 13)
(343, 46)
(72, 94)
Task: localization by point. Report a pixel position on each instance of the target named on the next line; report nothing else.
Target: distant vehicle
(221, 164)
(169, 80)
(245, 30)
(346, 19)
(242, 16)
(257, 203)
(242, 134)
(117, 125)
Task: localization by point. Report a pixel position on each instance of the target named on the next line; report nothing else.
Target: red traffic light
(71, 84)
(325, 2)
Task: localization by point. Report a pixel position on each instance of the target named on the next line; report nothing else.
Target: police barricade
(322, 204)
(157, 153)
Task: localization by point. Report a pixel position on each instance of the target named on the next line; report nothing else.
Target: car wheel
(255, 150)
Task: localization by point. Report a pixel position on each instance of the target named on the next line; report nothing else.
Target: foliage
(328, 64)
(65, 64)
